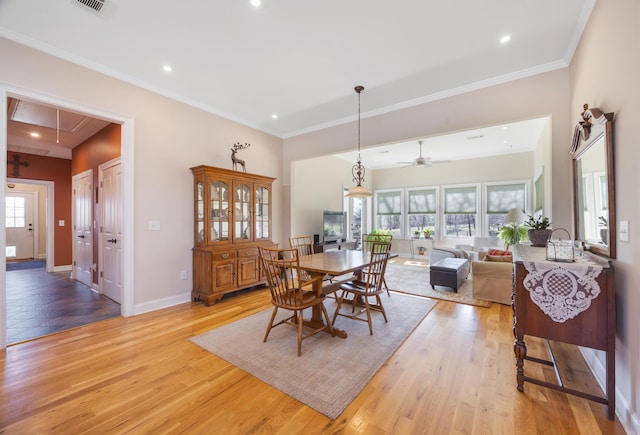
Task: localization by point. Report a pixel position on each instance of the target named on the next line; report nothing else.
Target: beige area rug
(412, 276)
(331, 371)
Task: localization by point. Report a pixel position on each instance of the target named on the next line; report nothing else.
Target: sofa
(493, 277)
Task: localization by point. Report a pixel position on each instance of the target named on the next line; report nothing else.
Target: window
(460, 211)
(501, 198)
(14, 211)
(422, 210)
(389, 211)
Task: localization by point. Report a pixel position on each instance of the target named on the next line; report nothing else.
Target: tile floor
(41, 303)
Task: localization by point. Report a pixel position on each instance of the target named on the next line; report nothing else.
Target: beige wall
(168, 138)
(541, 95)
(604, 73)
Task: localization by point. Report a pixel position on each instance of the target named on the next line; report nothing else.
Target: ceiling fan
(424, 162)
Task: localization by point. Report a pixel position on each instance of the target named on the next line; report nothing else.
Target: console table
(572, 303)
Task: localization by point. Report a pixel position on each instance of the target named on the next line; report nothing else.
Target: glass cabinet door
(219, 230)
(199, 212)
(262, 213)
(242, 215)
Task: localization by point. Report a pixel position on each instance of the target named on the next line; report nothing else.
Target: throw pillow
(498, 252)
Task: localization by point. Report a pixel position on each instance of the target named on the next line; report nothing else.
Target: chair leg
(338, 305)
(299, 332)
(384, 283)
(270, 325)
(366, 308)
(384, 313)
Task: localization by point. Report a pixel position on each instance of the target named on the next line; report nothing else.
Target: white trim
(158, 304)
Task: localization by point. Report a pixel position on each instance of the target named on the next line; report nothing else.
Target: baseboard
(629, 420)
(161, 303)
(66, 268)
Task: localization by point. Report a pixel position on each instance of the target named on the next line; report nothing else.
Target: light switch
(624, 231)
(154, 225)
(61, 223)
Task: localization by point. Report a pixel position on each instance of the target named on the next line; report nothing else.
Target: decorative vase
(539, 237)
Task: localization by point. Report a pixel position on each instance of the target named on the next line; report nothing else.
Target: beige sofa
(492, 280)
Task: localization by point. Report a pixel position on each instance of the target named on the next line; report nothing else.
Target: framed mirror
(593, 182)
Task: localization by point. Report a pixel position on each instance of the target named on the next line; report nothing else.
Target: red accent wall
(58, 171)
(100, 148)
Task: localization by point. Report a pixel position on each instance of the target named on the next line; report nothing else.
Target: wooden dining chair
(367, 242)
(282, 268)
(305, 247)
(369, 286)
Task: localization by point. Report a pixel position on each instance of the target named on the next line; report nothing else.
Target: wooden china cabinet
(232, 218)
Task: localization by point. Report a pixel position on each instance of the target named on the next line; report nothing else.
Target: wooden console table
(545, 313)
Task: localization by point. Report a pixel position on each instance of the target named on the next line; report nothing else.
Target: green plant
(538, 222)
(507, 233)
(427, 233)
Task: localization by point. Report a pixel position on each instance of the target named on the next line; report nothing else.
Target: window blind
(503, 197)
(389, 203)
(422, 201)
(460, 200)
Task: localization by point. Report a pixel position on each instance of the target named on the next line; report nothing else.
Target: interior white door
(82, 227)
(19, 218)
(111, 238)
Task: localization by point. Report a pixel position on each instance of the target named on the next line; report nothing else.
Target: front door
(82, 227)
(111, 238)
(19, 217)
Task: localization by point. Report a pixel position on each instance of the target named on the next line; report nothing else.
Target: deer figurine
(236, 161)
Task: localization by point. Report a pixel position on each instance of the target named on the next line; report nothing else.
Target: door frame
(127, 158)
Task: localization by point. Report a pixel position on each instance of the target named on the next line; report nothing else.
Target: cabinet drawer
(248, 252)
(221, 256)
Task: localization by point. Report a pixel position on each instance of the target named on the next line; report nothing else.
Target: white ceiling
(301, 59)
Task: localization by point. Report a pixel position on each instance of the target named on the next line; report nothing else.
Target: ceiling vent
(95, 5)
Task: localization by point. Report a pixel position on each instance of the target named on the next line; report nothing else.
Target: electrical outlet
(184, 275)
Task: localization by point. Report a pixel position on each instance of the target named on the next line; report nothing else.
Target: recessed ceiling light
(167, 68)
(274, 116)
(505, 39)
(256, 3)
(34, 134)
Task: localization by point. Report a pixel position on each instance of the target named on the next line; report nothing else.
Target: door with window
(19, 223)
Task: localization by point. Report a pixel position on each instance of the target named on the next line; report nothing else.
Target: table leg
(520, 349)
(317, 320)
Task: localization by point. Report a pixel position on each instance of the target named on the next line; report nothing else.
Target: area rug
(412, 276)
(23, 265)
(331, 371)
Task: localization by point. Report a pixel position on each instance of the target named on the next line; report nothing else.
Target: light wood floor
(454, 374)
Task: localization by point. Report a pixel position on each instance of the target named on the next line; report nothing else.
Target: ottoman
(449, 272)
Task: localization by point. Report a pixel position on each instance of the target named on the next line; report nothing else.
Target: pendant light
(358, 191)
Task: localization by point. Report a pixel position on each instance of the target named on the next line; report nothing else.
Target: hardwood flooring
(454, 374)
(41, 303)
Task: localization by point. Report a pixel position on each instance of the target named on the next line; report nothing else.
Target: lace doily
(562, 291)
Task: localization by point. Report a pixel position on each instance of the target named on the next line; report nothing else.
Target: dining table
(333, 263)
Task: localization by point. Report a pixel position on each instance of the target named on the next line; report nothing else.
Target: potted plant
(421, 250)
(539, 231)
(416, 234)
(427, 233)
(604, 229)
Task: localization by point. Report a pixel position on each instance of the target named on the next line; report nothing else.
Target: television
(334, 226)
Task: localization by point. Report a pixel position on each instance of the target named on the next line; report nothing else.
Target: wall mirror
(593, 182)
